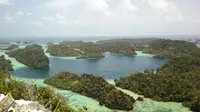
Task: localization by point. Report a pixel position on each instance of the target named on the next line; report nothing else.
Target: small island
(32, 55)
(62, 51)
(118, 48)
(12, 47)
(5, 65)
(92, 86)
(90, 49)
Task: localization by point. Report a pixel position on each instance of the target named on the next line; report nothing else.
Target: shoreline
(76, 100)
(139, 53)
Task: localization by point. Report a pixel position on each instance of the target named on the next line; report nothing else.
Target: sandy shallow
(75, 100)
(140, 53)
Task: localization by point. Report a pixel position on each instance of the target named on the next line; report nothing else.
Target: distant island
(62, 51)
(80, 49)
(5, 65)
(32, 55)
(92, 86)
(11, 47)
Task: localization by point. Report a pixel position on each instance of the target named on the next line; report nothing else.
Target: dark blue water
(110, 67)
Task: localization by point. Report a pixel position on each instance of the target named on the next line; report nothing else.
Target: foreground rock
(32, 55)
(5, 65)
(93, 86)
(7, 103)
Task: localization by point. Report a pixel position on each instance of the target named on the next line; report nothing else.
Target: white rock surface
(25, 106)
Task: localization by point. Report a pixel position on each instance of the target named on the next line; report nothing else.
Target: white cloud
(8, 16)
(127, 5)
(20, 13)
(168, 9)
(4, 1)
(48, 18)
(59, 3)
(60, 19)
(29, 14)
(97, 6)
(56, 19)
(37, 23)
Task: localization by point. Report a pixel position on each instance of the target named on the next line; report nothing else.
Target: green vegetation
(138, 43)
(169, 48)
(82, 49)
(44, 95)
(118, 48)
(92, 86)
(50, 43)
(32, 55)
(96, 50)
(63, 51)
(177, 80)
(5, 65)
(12, 46)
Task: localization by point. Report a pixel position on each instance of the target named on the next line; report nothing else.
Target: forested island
(90, 49)
(5, 65)
(32, 55)
(177, 80)
(11, 47)
(164, 48)
(62, 51)
(92, 86)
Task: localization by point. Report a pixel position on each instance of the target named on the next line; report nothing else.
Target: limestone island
(32, 55)
(92, 86)
(5, 65)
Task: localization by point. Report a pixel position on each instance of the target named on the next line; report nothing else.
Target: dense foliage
(62, 50)
(44, 95)
(92, 86)
(32, 55)
(96, 50)
(178, 80)
(118, 48)
(5, 65)
(11, 47)
(169, 48)
(86, 49)
(138, 43)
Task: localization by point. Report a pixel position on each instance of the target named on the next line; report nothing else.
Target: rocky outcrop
(7, 103)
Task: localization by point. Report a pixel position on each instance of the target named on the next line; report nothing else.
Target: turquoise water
(110, 67)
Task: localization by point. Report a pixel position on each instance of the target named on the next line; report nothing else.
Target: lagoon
(110, 67)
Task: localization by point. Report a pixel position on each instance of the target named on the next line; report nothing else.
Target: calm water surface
(110, 67)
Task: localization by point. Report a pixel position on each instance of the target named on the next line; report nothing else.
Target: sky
(98, 17)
